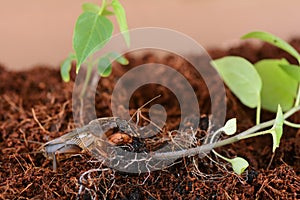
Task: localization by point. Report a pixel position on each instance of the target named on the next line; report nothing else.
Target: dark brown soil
(36, 105)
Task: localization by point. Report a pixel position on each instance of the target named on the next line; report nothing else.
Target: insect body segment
(62, 147)
(60, 151)
(93, 137)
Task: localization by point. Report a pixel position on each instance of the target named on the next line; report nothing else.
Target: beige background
(37, 32)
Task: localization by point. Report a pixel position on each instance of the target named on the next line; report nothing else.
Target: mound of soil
(36, 105)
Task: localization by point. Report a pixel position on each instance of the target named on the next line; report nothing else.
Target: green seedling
(265, 84)
(92, 31)
(238, 164)
(271, 84)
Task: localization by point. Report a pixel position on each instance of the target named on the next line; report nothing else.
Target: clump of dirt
(36, 105)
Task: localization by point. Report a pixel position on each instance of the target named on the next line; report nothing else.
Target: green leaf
(239, 165)
(230, 127)
(66, 67)
(277, 127)
(121, 18)
(118, 57)
(241, 77)
(91, 33)
(274, 40)
(292, 70)
(104, 66)
(278, 87)
(90, 7)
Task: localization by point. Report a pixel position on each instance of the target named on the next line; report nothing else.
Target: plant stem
(291, 124)
(255, 134)
(219, 155)
(87, 79)
(204, 149)
(258, 110)
(103, 5)
(268, 123)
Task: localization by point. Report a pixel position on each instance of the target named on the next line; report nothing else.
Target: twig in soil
(59, 116)
(24, 136)
(25, 188)
(19, 163)
(149, 193)
(29, 157)
(10, 102)
(261, 188)
(37, 121)
(270, 162)
(30, 141)
(267, 193)
(62, 112)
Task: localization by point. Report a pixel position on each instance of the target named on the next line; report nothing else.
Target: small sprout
(239, 165)
(92, 31)
(118, 57)
(230, 127)
(104, 63)
(66, 67)
(104, 67)
(277, 128)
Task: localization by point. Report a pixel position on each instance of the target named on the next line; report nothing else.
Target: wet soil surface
(36, 105)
